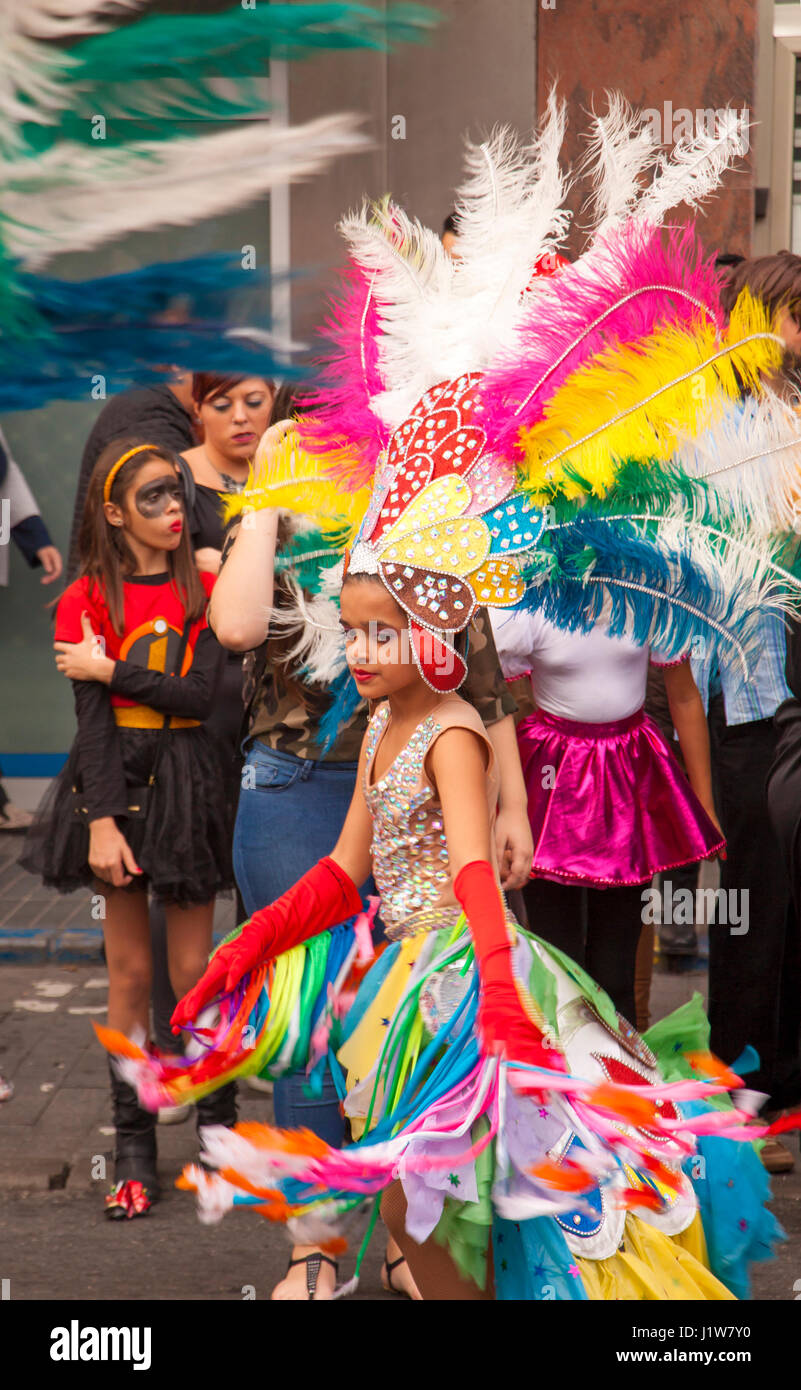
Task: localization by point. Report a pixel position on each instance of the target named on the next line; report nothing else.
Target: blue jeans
(288, 819)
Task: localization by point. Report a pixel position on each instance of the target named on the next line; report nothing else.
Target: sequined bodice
(410, 855)
(409, 848)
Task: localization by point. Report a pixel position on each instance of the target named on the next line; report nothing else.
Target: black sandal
(313, 1265)
(389, 1268)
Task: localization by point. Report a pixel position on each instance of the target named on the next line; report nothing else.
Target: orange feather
(116, 1042)
(568, 1177)
(710, 1065)
(623, 1104)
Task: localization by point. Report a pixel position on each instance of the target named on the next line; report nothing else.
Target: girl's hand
(50, 559)
(110, 854)
(710, 810)
(208, 559)
(85, 660)
(515, 846)
(211, 984)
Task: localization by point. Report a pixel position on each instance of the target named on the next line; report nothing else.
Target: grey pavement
(55, 1136)
(56, 1140)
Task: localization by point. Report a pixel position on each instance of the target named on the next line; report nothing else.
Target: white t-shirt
(586, 676)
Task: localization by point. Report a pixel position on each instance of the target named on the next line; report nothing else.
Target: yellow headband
(115, 467)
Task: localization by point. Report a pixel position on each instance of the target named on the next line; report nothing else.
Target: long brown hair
(104, 553)
(776, 280)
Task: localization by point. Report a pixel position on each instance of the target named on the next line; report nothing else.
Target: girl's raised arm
(239, 611)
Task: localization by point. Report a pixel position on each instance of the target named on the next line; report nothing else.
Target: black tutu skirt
(183, 846)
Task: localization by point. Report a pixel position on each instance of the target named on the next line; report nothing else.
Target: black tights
(598, 927)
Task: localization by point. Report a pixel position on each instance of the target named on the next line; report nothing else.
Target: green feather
(162, 68)
(309, 554)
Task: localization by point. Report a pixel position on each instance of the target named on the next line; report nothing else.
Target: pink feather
(347, 378)
(561, 308)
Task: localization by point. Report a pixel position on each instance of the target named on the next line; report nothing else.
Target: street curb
(31, 946)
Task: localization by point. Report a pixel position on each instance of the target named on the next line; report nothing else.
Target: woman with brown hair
(231, 413)
(138, 806)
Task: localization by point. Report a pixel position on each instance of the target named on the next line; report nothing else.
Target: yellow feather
(287, 477)
(582, 424)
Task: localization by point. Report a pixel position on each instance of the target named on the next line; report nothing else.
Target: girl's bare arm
(239, 611)
(458, 764)
(689, 721)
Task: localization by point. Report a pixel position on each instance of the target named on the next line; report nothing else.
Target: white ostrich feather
(750, 458)
(56, 19)
(510, 212)
(694, 168)
(440, 317)
(319, 648)
(411, 275)
(620, 150)
(74, 197)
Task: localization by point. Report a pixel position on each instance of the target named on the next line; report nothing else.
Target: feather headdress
(534, 439)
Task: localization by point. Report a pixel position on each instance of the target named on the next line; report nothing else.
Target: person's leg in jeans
(224, 725)
(291, 812)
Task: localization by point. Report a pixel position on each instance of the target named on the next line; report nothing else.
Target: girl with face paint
(139, 806)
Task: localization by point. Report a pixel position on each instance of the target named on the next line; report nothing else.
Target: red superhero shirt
(153, 619)
(153, 622)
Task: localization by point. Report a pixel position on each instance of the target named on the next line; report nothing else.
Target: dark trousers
(598, 927)
(754, 977)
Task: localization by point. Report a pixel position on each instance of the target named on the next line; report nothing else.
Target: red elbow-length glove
(504, 1025)
(322, 898)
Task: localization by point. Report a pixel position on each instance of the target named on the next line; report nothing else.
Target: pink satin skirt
(609, 803)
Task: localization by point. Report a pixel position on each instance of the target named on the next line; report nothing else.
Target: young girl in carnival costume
(138, 805)
(527, 1141)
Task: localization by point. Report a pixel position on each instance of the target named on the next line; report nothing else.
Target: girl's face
(377, 643)
(152, 510)
(234, 422)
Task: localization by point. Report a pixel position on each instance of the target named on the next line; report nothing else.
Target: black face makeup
(153, 498)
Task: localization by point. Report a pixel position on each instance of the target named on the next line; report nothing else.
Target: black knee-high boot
(219, 1108)
(136, 1184)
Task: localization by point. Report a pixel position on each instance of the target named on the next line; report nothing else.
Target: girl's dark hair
(206, 386)
(776, 280)
(104, 553)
